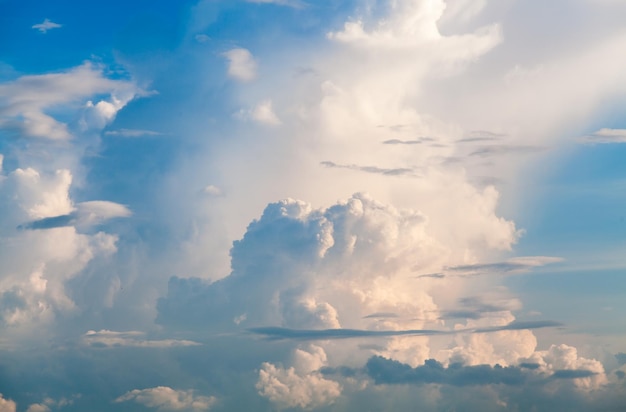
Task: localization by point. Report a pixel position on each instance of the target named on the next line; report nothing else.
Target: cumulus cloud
(35, 265)
(7, 405)
(241, 64)
(300, 386)
(165, 399)
(46, 25)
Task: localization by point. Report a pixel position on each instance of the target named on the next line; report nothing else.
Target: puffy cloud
(164, 399)
(241, 64)
(7, 405)
(35, 265)
(564, 362)
(300, 386)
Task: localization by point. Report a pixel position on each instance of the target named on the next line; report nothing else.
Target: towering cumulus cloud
(316, 206)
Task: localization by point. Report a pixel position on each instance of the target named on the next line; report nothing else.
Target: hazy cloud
(605, 136)
(165, 399)
(372, 169)
(241, 64)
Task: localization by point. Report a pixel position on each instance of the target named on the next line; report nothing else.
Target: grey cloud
(621, 358)
(409, 142)
(387, 371)
(521, 325)
(506, 149)
(382, 315)
(278, 333)
(372, 169)
(481, 136)
(572, 374)
(86, 214)
(511, 266)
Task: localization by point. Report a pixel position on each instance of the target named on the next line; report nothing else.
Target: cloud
(605, 136)
(132, 133)
(109, 338)
(325, 334)
(165, 399)
(241, 64)
(420, 140)
(387, 371)
(86, 214)
(7, 405)
(262, 113)
(496, 150)
(27, 100)
(46, 25)
(302, 386)
(516, 265)
(372, 169)
(296, 4)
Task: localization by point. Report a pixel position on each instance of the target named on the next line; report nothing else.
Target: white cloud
(27, 100)
(262, 113)
(46, 25)
(109, 338)
(605, 136)
(165, 399)
(241, 64)
(301, 386)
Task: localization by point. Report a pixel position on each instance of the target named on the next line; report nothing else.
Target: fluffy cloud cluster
(301, 385)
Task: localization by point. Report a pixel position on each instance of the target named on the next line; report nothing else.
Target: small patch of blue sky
(579, 208)
(88, 30)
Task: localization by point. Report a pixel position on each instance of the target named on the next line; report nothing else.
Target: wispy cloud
(511, 266)
(46, 25)
(109, 338)
(372, 169)
(86, 214)
(278, 333)
(604, 136)
(131, 133)
(296, 4)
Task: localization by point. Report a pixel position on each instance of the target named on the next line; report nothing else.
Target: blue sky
(334, 206)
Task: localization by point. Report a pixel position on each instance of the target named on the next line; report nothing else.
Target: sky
(286, 205)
